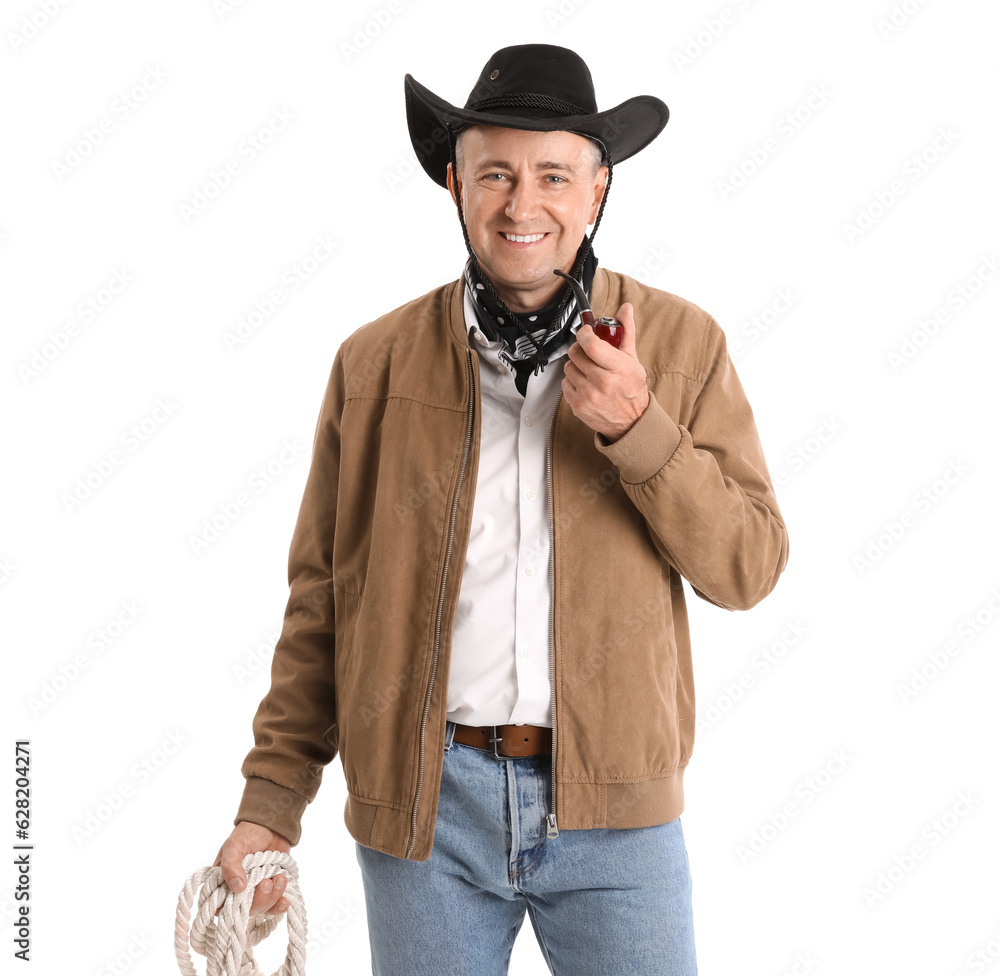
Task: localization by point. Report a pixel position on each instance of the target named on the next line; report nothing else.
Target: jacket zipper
(550, 819)
(444, 580)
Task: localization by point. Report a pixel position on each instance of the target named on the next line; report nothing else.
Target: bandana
(549, 326)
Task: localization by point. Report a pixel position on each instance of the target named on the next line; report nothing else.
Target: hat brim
(624, 129)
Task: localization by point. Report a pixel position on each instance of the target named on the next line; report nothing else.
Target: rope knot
(227, 941)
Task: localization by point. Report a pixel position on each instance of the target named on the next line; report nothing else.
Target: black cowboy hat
(540, 87)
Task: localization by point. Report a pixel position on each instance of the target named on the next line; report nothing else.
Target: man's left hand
(606, 387)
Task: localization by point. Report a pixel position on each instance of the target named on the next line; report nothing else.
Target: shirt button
(527, 652)
(529, 421)
(531, 494)
(479, 336)
(529, 570)
(501, 368)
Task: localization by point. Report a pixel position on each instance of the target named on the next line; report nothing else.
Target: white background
(858, 443)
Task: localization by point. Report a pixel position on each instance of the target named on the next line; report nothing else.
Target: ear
(451, 185)
(600, 185)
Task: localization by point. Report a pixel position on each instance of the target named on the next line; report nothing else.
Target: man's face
(519, 183)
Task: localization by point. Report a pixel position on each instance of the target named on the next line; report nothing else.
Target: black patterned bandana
(548, 326)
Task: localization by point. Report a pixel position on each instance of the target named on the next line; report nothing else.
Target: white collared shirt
(500, 656)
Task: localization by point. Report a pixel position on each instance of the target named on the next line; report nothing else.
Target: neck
(522, 301)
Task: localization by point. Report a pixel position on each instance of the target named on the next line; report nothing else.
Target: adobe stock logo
(758, 325)
(266, 305)
(957, 298)
(914, 169)
(45, 12)
(221, 178)
(229, 510)
(923, 501)
(223, 8)
(103, 468)
(94, 135)
(58, 341)
(936, 661)
(787, 126)
(934, 833)
(363, 36)
(898, 17)
(561, 12)
(712, 28)
(737, 688)
(805, 793)
(70, 671)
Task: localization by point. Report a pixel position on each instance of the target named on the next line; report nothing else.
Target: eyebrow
(504, 164)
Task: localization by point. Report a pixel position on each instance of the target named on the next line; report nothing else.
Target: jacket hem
(589, 806)
(383, 828)
(582, 806)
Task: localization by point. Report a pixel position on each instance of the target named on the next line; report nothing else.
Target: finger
(268, 894)
(593, 349)
(236, 882)
(280, 903)
(263, 897)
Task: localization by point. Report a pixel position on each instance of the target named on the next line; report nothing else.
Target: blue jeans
(602, 902)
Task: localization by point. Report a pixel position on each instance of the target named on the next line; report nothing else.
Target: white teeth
(529, 238)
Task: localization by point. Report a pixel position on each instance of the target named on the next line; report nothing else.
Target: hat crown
(535, 87)
(539, 80)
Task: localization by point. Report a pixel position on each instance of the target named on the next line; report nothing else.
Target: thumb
(246, 838)
(231, 861)
(625, 316)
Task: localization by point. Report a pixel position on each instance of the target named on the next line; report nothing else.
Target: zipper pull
(553, 830)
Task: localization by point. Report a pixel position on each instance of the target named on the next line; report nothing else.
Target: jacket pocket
(379, 701)
(345, 660)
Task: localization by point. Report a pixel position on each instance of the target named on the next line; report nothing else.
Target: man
(486, 616)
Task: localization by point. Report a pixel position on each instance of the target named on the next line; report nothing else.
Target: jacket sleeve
(295, 727)
(704, 489)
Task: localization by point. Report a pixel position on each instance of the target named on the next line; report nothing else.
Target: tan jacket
(376, 561)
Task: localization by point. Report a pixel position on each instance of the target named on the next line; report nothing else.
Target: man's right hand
(248, 838)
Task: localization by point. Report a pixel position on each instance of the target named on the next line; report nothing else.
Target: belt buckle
(495, 739)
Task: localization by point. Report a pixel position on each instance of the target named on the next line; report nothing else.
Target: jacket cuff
(645, 447)
(273, 806)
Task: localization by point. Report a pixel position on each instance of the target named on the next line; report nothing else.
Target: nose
(522, 204)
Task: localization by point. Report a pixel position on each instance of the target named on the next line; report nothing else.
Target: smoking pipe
(607, 327)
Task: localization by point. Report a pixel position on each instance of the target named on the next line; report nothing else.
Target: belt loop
(449, 735)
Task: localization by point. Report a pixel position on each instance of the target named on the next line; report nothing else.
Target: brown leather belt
(513, 741)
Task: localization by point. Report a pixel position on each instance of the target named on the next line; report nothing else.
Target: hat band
(528, 100)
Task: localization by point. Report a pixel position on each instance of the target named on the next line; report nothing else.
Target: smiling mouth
(522, 238)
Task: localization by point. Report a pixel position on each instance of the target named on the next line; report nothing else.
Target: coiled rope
(227, 941)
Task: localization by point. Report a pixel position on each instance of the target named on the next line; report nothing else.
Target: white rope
(227, 941)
